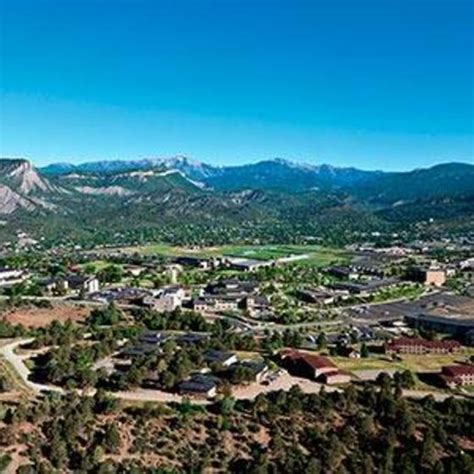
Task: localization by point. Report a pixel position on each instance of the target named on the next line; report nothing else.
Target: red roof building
(310, 365)
(416, 345)
(456, 375)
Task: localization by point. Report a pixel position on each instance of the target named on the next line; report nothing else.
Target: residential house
(10, 276)
(256, 304)
(199, 385)
(258, 368)
(317, 296)
(165, 300)
(220, 358)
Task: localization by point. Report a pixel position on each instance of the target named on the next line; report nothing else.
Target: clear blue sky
(374, 84)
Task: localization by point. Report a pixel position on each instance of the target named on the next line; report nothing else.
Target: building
(196, 262)
(223, 358)
(349, 352)
(313, 366)
(348, 273)
(333, 378)
(457, 325)
(256, 304)
(211, 303)
(430, 276)
(199, 385)
(416, 345)
(248, 265)
(134, 270)
(73, 283)
(309, 365)
(457, 375)
(10, 276)
(173, 271)
(258, 368)
(316, 296)
(152, 337)
(165, 300)
(366, 288)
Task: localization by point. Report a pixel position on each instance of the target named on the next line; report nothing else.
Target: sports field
(310, 254)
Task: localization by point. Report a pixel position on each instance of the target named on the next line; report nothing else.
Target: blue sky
(385, 84)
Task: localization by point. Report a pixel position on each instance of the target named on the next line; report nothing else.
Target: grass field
(316, 255)
(415, 363)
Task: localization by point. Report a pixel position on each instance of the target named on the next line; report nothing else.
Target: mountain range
(185, 201)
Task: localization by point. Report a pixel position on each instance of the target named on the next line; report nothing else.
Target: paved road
(8, 352)
(283, 382)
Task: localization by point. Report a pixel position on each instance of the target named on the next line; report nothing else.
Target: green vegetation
(361, 430)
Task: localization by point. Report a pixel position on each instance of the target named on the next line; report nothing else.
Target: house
(313, 366)
(80, 283)
(74, 283)
(173, 270)
(256, 304)
(191, 338)
(317, 296)
(348, 273)
(258, 368)
(416, 345)
(220, 358)
(196, 262)
(350, 352)
(10, 276)
(199, 385)
(232, 286)
(134, 270)
(139, 350)
(165, 300)
(333, 378)
(152, 337)
(457, 375)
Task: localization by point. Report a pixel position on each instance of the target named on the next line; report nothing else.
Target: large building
(313, 366)
(458, 325)
(457, 375)
(428, 276)
(416, 345)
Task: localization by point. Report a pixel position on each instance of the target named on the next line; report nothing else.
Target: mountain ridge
(184, 201)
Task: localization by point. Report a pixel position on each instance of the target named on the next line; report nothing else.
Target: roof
(458, 370)
(198, 383)
(416, 341)
(453, 319)
(312, 360)
(215, 356)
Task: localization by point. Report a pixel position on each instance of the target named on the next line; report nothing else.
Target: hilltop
(185, 201)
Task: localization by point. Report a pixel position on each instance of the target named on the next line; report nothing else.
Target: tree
(321, 341)
(112, 440)
(364, 351)
(111, 274)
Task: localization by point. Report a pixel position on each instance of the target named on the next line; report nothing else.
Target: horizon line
(302, 163)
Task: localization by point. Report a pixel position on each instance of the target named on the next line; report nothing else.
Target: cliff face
(21, 187)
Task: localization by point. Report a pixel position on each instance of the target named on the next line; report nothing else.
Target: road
(284, 382)
(16, 361)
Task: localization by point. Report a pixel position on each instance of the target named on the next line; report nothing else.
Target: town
(199, 322)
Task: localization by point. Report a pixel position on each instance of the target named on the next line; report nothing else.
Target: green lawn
(415, 363)
(317, 255)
